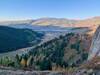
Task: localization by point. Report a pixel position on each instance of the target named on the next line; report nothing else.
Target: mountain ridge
(63, 22)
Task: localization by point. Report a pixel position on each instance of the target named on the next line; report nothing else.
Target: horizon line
(22, 19)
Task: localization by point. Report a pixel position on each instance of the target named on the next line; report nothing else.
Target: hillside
(63, 22)
(63, 53)
(57, 54)
(68, 22)
(12, 39)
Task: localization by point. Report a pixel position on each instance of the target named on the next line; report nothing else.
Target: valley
(48, 47)
(47, 35)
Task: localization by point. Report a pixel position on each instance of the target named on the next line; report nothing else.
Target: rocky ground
(22, 72)
(19, 72)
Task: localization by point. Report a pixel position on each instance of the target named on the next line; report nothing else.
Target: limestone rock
(95, 45)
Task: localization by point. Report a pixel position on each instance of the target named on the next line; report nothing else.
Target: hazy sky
(26, 9)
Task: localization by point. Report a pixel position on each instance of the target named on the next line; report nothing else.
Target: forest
(68, 51)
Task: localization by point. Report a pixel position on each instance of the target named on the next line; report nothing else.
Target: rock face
(95, 46)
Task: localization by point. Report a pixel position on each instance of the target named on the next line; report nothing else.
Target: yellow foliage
(29, 61)
(23, 62)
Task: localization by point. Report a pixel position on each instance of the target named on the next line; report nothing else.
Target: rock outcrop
(95, 45)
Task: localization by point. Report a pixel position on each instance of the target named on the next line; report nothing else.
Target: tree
(23, 62)
(46, 65)
(18, 60)
(29, 61)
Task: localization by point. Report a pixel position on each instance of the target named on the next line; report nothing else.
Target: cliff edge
(95, 45)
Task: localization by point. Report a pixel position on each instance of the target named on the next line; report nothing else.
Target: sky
(33, 9)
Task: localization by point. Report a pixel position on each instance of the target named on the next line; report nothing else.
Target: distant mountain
(67, 22)
(18, 22)
(55, 21)
(90, 22)
(12, 39)
(62, 22)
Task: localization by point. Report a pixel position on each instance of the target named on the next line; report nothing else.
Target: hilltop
(63, 22)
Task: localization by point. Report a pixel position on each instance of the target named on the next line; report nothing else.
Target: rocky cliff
(95, 45)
